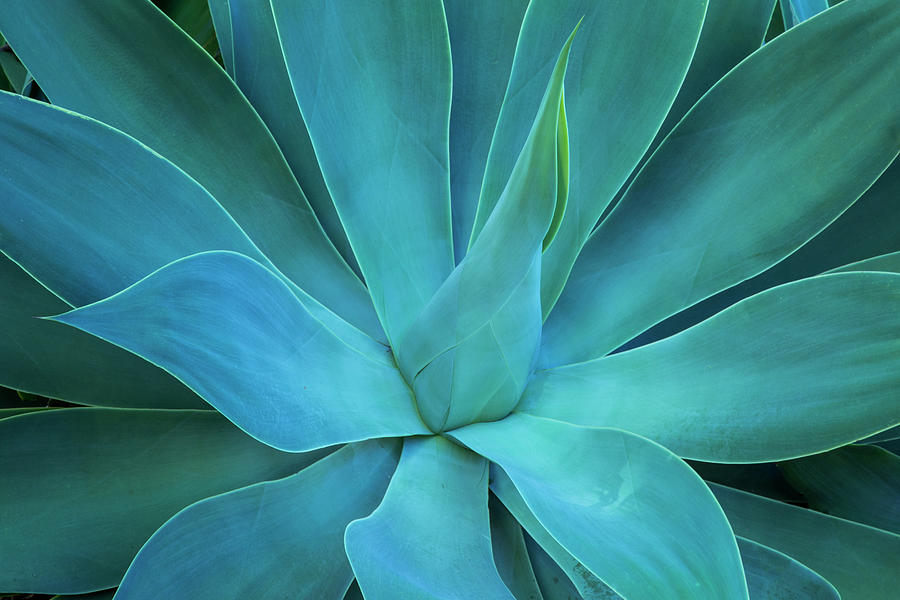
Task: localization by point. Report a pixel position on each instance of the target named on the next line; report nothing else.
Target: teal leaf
(55, 361)
(772, 179)
(731, 31)
(859, 561)
(104, 595)
(884, 436)
(275, 539)
(83, 488)
(236, 335)
(220, 15)
(482, 43)
(762, 479)
(510, 553)
(257, 67)
(801, 368)
(859, 483)
(614, 108)
(193, 17)
(471, 349)
(104, 59)
(585, 582)
(865, 230)
(374, 89)
(593, 488)
(795, 12)
(772, 575)
(886, 263)
(553, 582)
(430, 537)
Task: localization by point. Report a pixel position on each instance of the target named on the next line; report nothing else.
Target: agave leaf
(553, 582)
(592, 488)
(859, 561)
(429, 538)
(795, 12)
(615, 110)
(892, 446)
(770, 181)
(886, 263)
(731, 31)
(801, 368)
(762, 479)
(482, 42)
(859, 483)
(479, 333)
(220, 15)
(104, 59)
(772, 575)
(56, 361)
(585, 582)
(235, 334)
(373, 85)
(11, 69)
(510, 554)
(257, 67)
(193, 17)
(866, 229)
(276, 539)
(885, 436)
(84, 488)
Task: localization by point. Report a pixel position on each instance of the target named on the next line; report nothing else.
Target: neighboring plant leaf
(83, 488)
(257, 67)
(553, 582)
(593, 488)
(885, 436)
(772, 575)
(797, 11)
(801, 368)
(102, 60)
(886, 263)
(193, 17)
(510, 554)
(892, 446)
(859, 483)
(235, 334)
(220, 14)
(587, 584)
(860, 561)
(772, 179)
(55, 361)
(382, 91)
(762, 479)
(614, 110)
(483, 39)
(13, 71)
(276, 539)
(469, 353)
(430, 537)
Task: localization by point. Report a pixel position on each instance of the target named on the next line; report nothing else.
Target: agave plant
(387, 245)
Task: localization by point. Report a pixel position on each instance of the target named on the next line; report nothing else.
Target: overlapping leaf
(798, 369)
(236, 334)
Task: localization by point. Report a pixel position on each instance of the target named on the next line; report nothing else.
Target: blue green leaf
(593, 488)
(859, 483)
(482, 42)
(510, 553)
(886, 263)
(55, 361)
(801, 368)
(585, 582)
(553, 582)
(83, 488)
(795, 12)
(860, 561)
(104, 60)
(771, 180)
(276, 539)
(236, 335)
(469, 352)
(614, 109)
(762, 479)
(772, 575)
(430, 537)
(373, 85)
(256, 65)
